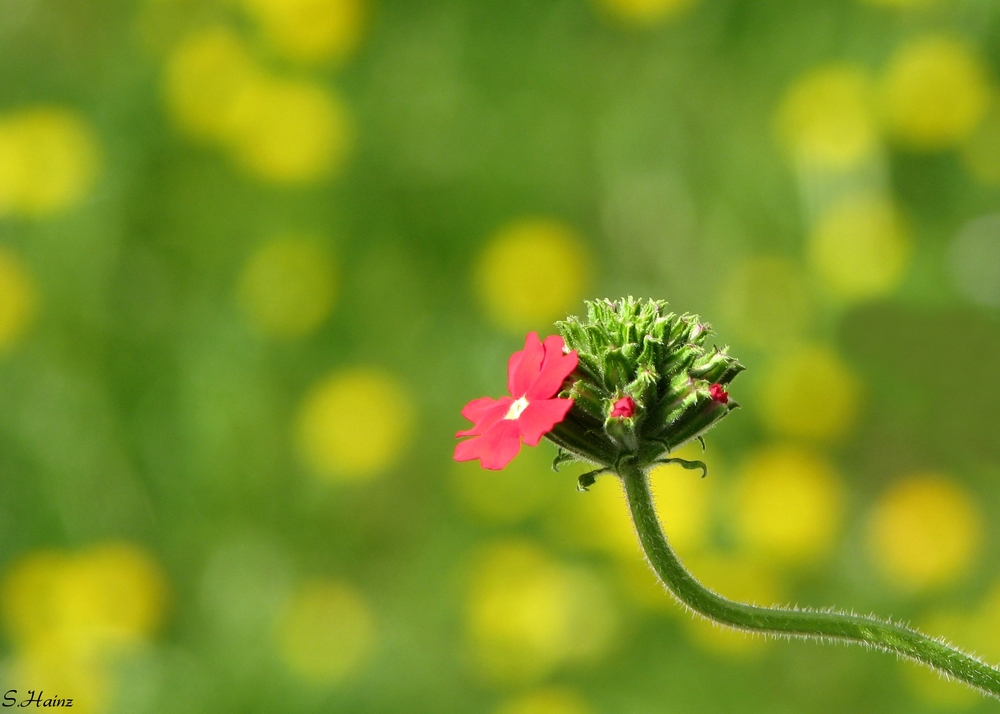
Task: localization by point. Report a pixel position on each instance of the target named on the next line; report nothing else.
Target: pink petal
(495, 448)
(555, 368)
(524, 366)
(539, 418)
(484, 413)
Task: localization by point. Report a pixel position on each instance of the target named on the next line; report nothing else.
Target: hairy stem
(790, 623)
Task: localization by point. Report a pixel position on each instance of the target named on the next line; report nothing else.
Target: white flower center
(516, 408)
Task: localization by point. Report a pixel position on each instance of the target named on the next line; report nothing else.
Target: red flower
(624, 408)
(534, 376)
(719, 394)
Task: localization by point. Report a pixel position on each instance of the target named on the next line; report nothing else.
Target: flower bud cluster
(645, 383)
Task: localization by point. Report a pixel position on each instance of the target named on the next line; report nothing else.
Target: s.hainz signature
(36, 698)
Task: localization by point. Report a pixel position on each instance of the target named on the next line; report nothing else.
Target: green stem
(790, 623)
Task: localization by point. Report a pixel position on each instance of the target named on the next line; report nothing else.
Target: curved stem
(868, 631)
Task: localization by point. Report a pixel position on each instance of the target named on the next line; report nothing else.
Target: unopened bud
(624, 408)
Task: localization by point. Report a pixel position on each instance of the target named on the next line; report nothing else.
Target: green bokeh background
(140, 405)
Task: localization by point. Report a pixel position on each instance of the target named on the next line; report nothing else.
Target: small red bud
(719, 394)
(623, 408)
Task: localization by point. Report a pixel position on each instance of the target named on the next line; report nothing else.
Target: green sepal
(585, 481)
(689, 464)
(562, 457)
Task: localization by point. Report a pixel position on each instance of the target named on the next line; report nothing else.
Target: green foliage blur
(255, 256)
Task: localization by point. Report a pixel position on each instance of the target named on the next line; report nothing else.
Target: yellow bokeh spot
(645, 12)
(740, 580)
(981, 153)
(523, 489)
(60, 604)
(49, 158)
(354, 424)
(599, 520)
(118, 592)
(326, 632)
(826, 118)
(290, 131)
(925, 531)
(935, 92)
(311, 30)
(860, 248)
(84, 678)
(789, 504)
(30, 596)
(983, 629)
(281, 130)
(551, 700)
(527, 614)
(810, 393)
(684, 505)
(766, 302)
(532, 272)
(71, 615)
(683, 500)
(206, 79)
(288, 286)
(18, 300)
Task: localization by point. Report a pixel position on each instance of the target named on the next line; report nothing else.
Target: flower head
(647, 382)
(535, 376)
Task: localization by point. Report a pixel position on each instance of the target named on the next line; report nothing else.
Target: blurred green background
(255, 255)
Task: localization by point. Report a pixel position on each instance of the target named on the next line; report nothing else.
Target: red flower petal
(556, 366)
(718, 393)
(495, 448)
(623, 408)
(540, 416)
(512, 365)
(484, 413)
(524, 366)
(533, 375)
